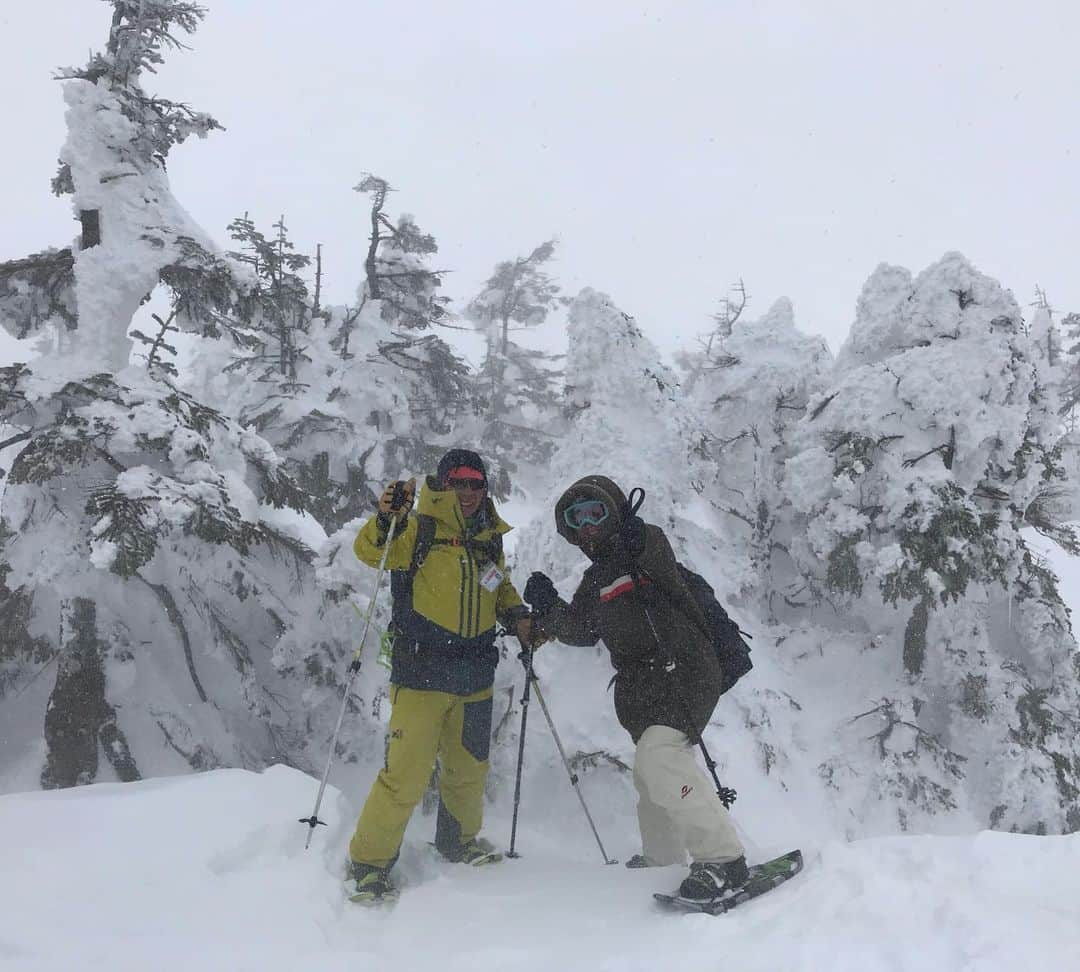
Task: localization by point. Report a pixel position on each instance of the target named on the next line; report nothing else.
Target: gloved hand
(529, 634)
(632, 534)
(540, 593)
(397, 498)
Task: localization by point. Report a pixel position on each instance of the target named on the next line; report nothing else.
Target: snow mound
(210, 872)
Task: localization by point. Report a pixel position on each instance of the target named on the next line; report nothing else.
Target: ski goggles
(590, 512)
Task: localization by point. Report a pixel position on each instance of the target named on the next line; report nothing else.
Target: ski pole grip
(634, 501)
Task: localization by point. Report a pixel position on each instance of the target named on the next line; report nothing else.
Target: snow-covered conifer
(278, 306)
(152, 561)
(711, 355)
(155, 552)
(1070, 327)
(751, 382)
(406, 292)
(518, 385)
(934, 446)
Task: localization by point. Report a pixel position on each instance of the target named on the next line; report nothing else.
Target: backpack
(732, 651)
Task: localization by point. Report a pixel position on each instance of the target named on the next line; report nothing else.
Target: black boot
(366, 882)
(708, 881)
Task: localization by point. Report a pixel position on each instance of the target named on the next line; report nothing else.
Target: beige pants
(678, 809)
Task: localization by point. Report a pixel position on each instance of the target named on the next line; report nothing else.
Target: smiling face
(469, 486)
(469, 496)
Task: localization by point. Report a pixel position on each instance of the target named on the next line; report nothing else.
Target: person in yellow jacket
(449, 585)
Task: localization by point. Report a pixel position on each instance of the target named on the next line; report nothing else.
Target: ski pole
(726, 794)
(531, 676)
(354, 669)
(521, 747)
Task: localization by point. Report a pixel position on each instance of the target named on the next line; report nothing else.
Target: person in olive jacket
(449, 585)
(667, 677)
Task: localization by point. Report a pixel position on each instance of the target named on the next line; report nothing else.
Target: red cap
(465, 472)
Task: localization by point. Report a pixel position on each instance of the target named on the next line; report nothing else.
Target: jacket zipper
(479, 597)
(461, 600)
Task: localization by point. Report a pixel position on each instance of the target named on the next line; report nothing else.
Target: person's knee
(404, 786)
(463, 774)
(476, 729)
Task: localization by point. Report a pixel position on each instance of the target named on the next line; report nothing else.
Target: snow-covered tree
(1070, 327)
(711, 354)
(407, 292)
(519, 386)
(519, 294)
(396, 268)
(278, 306)
(143, 549)
(751, 382)
(155, 552)
(934, 446)
(113, 167)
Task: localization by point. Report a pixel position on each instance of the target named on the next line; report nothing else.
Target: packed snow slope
(209, 872)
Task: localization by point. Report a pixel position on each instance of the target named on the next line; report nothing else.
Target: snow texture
(210, 872)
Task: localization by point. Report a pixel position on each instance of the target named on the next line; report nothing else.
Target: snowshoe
(476, 852)
(640, 860)
(729, 894)
(369, 885)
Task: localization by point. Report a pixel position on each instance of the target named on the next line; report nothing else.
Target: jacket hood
(592, 487)
(460, 457)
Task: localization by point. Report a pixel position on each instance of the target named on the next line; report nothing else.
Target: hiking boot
(640, 860)
(708, 881)
(366, 882)
(475, 851)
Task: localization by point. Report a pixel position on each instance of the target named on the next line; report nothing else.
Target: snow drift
(209, 872)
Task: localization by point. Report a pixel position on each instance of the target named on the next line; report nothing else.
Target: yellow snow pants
(425, 726)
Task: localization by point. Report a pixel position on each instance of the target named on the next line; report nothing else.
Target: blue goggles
(590, 511)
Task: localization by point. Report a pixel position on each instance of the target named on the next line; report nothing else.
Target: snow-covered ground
(209, 872)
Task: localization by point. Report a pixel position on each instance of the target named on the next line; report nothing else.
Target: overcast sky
(672, 148)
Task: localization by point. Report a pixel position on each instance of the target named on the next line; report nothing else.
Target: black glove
(632, 533)
(396, 500)
(540, 593)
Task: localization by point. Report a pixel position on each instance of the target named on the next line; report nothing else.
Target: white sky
(671, 147)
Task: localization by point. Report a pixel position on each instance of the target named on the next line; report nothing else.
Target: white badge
(491, 578)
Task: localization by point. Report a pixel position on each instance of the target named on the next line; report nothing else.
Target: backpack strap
(487, 550)
(425, 540)
(401, 581)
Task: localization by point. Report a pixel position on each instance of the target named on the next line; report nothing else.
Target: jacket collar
(443, 506)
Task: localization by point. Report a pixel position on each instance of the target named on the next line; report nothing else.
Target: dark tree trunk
(91, 228)
(78, 716)
(915, 638)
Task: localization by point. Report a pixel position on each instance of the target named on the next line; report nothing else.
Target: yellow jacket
(444, 622)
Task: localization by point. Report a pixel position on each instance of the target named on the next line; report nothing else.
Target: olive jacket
(675, 683)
